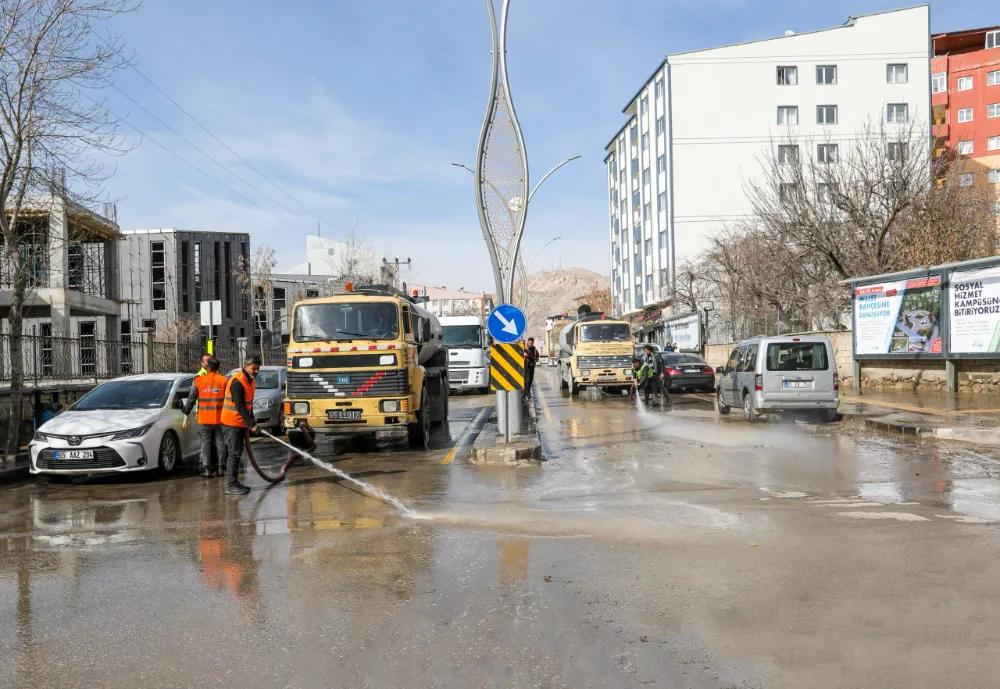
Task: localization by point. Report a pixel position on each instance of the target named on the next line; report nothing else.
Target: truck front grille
(606, 361)
(353, 383)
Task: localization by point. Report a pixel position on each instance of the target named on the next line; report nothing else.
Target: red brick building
(965, 100)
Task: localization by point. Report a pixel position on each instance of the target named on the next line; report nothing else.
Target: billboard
(974, 310)
(899, 317)
(684, 333)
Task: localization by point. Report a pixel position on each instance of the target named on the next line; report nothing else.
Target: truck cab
(468, 353)
(365, 361)
(595, 352)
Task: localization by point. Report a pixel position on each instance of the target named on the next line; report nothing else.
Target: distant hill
(556, 291)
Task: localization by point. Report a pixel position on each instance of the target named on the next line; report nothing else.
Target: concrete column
(65, 357)
(58, 246)
(109, 355)
(857, 377)
(951, 376)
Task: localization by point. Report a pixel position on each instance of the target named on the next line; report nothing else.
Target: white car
(124, 425)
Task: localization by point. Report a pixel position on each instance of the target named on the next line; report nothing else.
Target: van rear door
(798, 369)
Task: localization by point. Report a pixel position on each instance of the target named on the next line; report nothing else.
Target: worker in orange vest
(237, 418)
(208, 392)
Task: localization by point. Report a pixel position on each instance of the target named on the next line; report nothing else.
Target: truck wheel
(444, 407)
(420, 432)
(574, 389)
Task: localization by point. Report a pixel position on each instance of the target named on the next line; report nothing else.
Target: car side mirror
(721, 370)
(178, 402)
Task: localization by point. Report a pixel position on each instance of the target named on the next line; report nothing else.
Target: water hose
(302, 434)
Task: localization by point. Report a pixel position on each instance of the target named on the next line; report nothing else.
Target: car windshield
(462, 335)
(683, 360)
(269, 379)
(797, 356)
(605, 332)
(126, 394)
(333, 322)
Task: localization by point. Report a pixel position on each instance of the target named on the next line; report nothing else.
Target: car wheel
(420, 432)
(169, 453)
(723, 407)
(59, 478)
(749, 413)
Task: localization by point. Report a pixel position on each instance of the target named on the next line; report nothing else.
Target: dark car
(687, 372)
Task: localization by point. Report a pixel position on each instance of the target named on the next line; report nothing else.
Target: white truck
(468, 353)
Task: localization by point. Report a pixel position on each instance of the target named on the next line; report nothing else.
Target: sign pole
(211, 329)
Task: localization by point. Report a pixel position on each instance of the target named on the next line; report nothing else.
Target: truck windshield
(605, 332)
(350, 321)
(462, 336)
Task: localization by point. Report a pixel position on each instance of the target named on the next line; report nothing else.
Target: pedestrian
(204, 363)
(530, 359)
(237, 419)
(209, 393)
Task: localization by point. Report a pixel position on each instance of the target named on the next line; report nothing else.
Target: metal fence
(47, 360)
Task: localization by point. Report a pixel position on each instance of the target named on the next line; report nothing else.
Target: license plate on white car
(341, 414)
(74, 454)
(797, 383)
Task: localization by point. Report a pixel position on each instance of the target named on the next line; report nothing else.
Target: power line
(210, 157)
(211, 134)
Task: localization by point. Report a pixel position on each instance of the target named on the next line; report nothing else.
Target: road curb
(19, 471)
(928, 429)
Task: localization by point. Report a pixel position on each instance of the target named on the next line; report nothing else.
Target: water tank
(429, 342)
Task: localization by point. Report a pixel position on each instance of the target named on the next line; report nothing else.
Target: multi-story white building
(700, 125)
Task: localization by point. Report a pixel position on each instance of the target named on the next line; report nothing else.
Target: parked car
(124, 425)
(269, 395)
(772, 374)
(687, 372)
(640, 349)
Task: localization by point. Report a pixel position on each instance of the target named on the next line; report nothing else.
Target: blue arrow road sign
(506, 323)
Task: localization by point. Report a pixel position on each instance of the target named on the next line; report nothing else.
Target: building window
(965, 179)
(788, 192)
(45, 348)
(788, 115)
(621, 147)
(965, 147)
(993, 78)
(228, 262)
(896, 74)
(993, 143)
(197, 276)
(895, 151)
(636, 201)
(993, 110)
(649, 284)
(185, 274)
(661, 163)
(658, 89)
(88, 347)
(788, 154)
(645, 142)
(939, 82)
(312, 294)
(827, 153)
(662, 243)
(149, 324)
(662, 201)
(643, 105)
(660, 125)
(217, 265)
(826, 114)
(646, 211)
(992, 39)
(897, 112)
(158, 273)
(823, 194)
(645, 176)
(788, 76)
(826, 74)
(649, 246)
(621, 177)
(965, 83)
(633, 134)
(277, 306)
(994, 177)
(965, 115)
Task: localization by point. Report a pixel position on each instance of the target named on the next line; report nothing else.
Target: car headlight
(585, 373)
(300, 407)
(264, 403)
(41, 437)
(133, 433)
(389, 406)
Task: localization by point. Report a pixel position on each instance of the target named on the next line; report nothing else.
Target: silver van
(769, 374)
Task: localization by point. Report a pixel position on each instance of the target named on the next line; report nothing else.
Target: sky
(354, 110)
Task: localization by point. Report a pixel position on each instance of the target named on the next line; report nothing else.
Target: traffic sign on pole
(506, 367)
(506, 323)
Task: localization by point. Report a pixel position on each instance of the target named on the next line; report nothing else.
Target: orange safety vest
(211, 393)
(231, 417)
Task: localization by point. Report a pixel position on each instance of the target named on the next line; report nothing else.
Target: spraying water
(639, 404)
(366, 487)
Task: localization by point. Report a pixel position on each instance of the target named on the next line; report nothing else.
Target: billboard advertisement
(974, 303)
(899, 317)
(684, 333)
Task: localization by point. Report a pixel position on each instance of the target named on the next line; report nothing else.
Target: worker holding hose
(238, 421)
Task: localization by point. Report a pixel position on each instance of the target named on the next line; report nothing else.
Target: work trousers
(234, 449)
(212, 438)
(529, 378)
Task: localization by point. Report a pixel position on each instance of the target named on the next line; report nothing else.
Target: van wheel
(749, 413)
(723, 407)
(827, 415)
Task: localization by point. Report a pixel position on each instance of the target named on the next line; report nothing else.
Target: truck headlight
(585, 373)
(389, 406)
(300, 407)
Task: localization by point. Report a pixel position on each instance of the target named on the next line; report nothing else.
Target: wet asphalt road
(672, 549)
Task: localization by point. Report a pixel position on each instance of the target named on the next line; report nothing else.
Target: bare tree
(50, 128)
(357, 263)
(253, 276)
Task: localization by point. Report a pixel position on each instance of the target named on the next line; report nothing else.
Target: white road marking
(897, 516)
(965, 520)
(860, 503)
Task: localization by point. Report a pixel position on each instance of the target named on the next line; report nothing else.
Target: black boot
(206, 472)
(237, 489)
